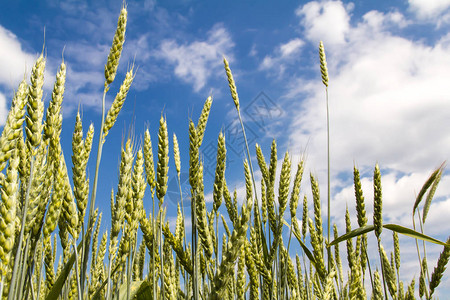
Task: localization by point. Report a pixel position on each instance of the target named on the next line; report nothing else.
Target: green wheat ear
(231, 84)
(116, 48)
(323, 64)
(378, 202)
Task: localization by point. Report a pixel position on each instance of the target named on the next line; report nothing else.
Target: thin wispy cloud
(287, 53)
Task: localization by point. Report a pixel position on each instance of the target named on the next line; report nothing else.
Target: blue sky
(389, 68)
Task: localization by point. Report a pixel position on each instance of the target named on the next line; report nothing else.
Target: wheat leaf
(307, 252)
(62, 278)
(412, 233)
(354, 233)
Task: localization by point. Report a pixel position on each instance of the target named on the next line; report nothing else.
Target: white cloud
(379, 20)
(328, 21)
(196, 61)
(389, 104)
(285, 53)
(429, 9)
(16, 63)
(13, 59)
(3, 109)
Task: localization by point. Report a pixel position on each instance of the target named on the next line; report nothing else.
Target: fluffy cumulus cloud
(389, 103)
(194, 62)
(329, 20)
(14, 62)
(13, 59)
(388, 99)
(429, 9)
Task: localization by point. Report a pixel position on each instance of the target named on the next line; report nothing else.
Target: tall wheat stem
(77, 271)
(12, 290)
(153, 247)
(161, 251)
(87, 237)
(422, 271)
(23, 270)
(329, 181)
(325, 80)
(424, 247)
(185, 240)
(382, 269)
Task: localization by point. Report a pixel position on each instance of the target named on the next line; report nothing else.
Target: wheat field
(270, 249)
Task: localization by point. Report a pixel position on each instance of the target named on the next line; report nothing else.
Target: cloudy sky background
(389, 69)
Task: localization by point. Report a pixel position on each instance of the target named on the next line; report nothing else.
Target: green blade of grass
(304, 247)
(354, 233)
(394, 227)
(59, 283)
(412, 233)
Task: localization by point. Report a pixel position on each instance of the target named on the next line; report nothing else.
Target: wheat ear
(388, 274)
(202, 222)
(203, 119)
(8, 216)
(35, 107)
(378, 202)
(220, 172)
(79, 160)
(162, 167)
(317, 210)
(53, 120)
(440, 268)
(116, 48)
(12, 129)
(231, 83)
(118, 102)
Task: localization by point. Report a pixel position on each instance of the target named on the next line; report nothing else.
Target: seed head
(231, 84)
(116, 48)
(323, 64)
